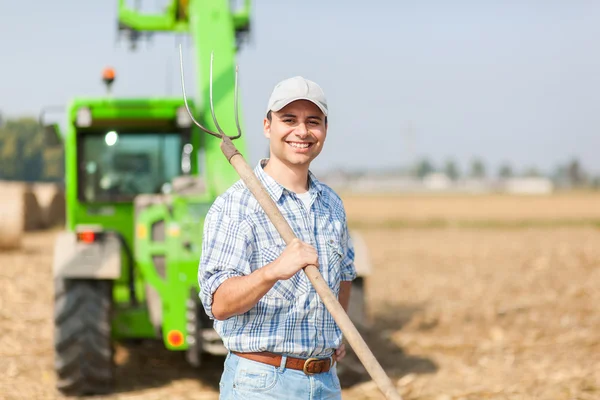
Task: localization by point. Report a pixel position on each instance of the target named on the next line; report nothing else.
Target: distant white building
(437, 181)
(528, 186)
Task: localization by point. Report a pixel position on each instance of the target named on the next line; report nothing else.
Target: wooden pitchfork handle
(338, 313)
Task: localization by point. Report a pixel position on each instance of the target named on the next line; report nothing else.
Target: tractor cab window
(117, 166)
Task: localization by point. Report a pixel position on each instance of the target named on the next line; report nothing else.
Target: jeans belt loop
(282, 363)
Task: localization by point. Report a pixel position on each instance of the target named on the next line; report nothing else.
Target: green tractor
(140, 178)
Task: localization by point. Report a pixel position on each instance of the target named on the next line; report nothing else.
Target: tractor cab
(120, 156)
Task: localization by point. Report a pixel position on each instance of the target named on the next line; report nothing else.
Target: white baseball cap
(297, 88)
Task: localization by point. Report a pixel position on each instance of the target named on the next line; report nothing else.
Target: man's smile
(300, 145)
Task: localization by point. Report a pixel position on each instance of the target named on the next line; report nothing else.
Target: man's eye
(314, 122)
(287, 120)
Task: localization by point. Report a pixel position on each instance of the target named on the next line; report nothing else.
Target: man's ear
(267, 128)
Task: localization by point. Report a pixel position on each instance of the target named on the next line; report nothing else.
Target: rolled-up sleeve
(348, 266)
(225, 247)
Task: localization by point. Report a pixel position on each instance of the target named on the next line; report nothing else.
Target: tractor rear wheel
(84, 352)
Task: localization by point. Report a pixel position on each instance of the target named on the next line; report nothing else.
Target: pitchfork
(256, 188)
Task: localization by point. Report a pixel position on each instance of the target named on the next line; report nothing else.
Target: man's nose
(301, 130)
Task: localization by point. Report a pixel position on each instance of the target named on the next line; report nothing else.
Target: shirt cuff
(210, 287)
(349, 274)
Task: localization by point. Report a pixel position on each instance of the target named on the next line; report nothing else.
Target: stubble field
(484, 297)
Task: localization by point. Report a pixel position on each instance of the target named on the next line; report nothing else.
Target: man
(282, 341)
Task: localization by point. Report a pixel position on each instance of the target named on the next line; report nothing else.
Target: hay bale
(51, 199)
(12, 215)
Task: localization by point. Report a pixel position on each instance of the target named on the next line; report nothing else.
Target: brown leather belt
(309, 366)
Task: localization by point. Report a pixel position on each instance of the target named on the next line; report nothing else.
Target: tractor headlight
(183, 118)
(84, 117)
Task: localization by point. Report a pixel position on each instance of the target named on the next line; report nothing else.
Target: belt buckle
(308, 361)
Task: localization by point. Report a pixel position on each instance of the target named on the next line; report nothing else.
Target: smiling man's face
(297, 133)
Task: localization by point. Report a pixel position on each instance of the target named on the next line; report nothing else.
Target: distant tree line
(23, 154)
(570, 174)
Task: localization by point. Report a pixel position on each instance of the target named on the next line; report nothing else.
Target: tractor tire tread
(84, 353)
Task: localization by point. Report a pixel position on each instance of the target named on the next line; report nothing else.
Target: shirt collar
(275, 189)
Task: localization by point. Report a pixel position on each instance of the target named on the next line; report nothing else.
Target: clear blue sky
(514, 81)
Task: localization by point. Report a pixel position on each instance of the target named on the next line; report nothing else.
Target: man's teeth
(299, 145)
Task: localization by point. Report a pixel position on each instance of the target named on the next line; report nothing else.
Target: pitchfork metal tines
(221, 134)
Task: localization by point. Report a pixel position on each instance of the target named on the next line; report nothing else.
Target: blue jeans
(246, 379)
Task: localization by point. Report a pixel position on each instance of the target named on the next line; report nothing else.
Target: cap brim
(279, 105)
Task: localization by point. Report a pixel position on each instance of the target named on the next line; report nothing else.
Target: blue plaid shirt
(239, 238)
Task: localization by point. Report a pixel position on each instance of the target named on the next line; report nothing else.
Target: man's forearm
(239, 294)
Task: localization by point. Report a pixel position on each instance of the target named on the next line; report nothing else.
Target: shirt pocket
(288, 289)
